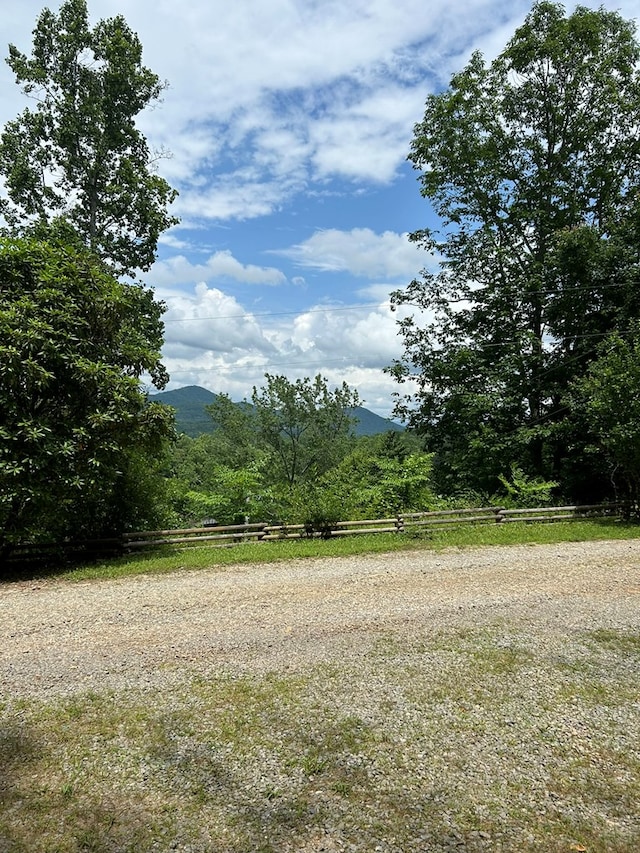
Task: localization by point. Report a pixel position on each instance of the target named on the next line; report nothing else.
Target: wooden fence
(402, 523)
(414, 522)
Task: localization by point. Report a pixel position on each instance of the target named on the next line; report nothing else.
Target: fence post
(499, 514)
(400, 524)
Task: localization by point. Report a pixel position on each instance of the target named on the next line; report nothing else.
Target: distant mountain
(189, 403)
(371, 424)
(191, 418)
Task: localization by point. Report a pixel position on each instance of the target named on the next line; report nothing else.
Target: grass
(170, 559)
(474, 740)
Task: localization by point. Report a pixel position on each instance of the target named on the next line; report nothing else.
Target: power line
(249, 316)
(237, 367)
(367, 305)
(554, 340)
(558, 291)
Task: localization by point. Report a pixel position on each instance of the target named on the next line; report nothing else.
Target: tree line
(524, 380)
(83, 212)
(291, 456)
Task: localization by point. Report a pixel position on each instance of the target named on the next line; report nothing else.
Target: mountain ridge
(192, 419)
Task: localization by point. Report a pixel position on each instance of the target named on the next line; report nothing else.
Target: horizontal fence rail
(437, 518)
(234, 534)
(229, 533)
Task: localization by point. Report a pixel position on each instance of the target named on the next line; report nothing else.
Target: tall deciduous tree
(533, 165)
(78, 153)
(304, 424)
(77, 437)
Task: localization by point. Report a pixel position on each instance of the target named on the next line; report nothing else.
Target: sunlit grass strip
(169, 559)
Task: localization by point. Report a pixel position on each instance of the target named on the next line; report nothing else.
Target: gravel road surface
(58, 637)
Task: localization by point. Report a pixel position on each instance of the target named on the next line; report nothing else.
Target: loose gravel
(58, 637)
(478, 701)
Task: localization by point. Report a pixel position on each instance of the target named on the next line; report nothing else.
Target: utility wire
(250, 316)
(236, 367)
(367, 305)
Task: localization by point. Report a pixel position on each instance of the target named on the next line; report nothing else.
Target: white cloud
(292, 92)
(361, 252)
(369, 137)
(233, 197)
(212, 322)
(211, 341)
(221, 265)
(360, 336)
(295, 90)
(170, 239)
(269, 101)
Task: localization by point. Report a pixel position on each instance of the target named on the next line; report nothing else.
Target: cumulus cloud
(221, 265)
(298, 90)
(359, 251)
(213, 342)
(211, 321)
(233, 197)
(368, 137)
(363, 336)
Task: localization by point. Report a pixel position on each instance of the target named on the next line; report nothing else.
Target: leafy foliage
(305, 426)
(263, 460)
(524, 491)
(315, 506)
(76, 431)
(533, 164)
(236, 439)
(380, 476)
(609, 397)
(234, 472)
(204, 485)
(378, 485)
(78, 155)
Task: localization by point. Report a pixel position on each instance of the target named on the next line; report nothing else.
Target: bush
(523, 491)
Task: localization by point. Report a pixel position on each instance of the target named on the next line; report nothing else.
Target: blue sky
(289, 123)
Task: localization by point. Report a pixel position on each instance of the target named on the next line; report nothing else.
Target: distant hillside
(191, 418)
(371, 424)
(189, 403)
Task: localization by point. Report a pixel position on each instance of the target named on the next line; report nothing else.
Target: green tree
(523, 491)
(235, 442)
(78, 154)
(532, 164)
(211, 476)
(370, 485)
(265, 458)
(232, 496)
(608, 397)
(305, 426)
(76, 430)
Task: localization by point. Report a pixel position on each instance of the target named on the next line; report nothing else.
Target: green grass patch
(171, 559)
(623, 641)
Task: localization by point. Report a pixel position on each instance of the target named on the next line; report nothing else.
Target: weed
(621, 641)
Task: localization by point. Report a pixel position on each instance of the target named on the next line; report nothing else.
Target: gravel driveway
(470, 701)
(58, 637)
